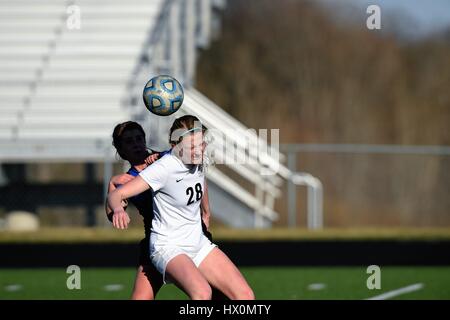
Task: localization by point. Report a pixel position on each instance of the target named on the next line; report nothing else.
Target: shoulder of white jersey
(169, 159)
(162, 163)
(174, 160)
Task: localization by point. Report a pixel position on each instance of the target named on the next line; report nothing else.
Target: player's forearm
(108, 209)
(114, 200)
(128, 190)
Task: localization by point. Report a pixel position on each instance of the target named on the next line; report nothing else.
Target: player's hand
(151, 158)
(121, 179)
(120, 218)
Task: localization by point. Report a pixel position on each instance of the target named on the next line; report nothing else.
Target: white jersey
(177, 193)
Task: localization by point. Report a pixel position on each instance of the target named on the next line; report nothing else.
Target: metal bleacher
(67, 83)
(63, 89)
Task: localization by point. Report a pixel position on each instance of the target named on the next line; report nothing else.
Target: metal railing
(171, 48)
(314, 199)
(315, 189)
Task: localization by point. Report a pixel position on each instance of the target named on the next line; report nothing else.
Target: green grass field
(267, 282)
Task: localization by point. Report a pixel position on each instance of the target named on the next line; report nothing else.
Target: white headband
(185, 132)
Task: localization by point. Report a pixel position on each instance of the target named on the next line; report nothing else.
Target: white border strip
(394, 293)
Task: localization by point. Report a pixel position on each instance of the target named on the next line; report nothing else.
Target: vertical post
(315, 199)
(205, 23)
(270, 201)
(318, 206)
(258, 221)
(90, 181)
(311, 208)
(107, 174)
(189, 43)
(175, 53)
(292, 191)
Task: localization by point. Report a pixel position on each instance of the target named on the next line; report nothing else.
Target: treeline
(285, 64)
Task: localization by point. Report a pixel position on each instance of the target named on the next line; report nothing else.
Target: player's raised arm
(113, 183)
(115, 198)
(108, 210)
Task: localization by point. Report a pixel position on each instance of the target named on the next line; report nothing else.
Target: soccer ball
(163, 95)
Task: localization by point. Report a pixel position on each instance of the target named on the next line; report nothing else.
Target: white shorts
(160, 255)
